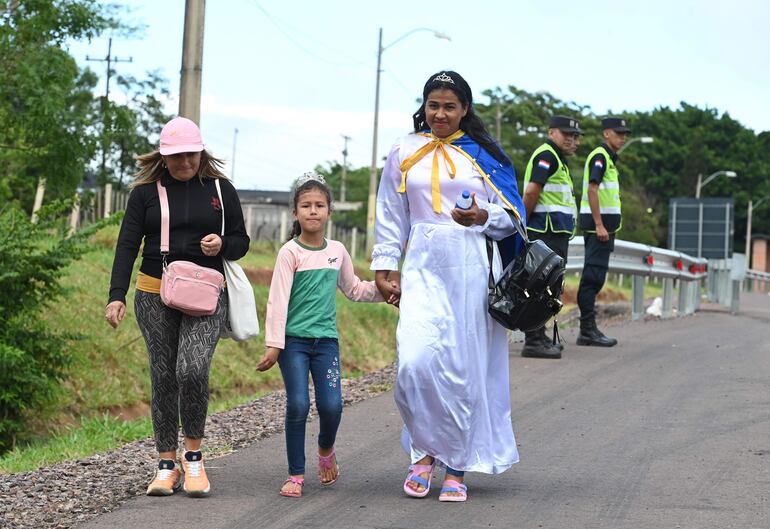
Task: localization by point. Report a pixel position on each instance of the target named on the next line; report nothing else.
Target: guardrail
(757, 281)
(676, 269)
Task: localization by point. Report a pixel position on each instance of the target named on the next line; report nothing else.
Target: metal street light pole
(373, 169)
(752, 207)
(709, 178)
(643, 139)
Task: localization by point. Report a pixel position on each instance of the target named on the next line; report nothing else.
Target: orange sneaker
(167, 479)
(196, 483)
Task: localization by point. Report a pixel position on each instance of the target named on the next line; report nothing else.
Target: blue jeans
(320, 357)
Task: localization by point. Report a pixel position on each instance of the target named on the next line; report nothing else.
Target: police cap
(616, 124)
(565, 124)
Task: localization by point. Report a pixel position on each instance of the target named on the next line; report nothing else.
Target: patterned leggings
(180, 349)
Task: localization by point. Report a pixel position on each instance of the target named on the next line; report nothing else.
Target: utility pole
(192, 60)
(372, 202)
(232, 163)
(344, 168)
(109, 59)
(498, 119)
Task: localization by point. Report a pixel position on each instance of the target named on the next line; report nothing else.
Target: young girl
(301, 329)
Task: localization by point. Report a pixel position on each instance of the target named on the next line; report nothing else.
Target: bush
(33, 359)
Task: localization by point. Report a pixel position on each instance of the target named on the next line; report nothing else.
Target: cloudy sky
(295, 76)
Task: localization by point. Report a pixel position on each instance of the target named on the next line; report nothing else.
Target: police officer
(600, 220)
(550, 203)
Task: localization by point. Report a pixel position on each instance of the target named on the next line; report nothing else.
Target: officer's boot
(549, 341)
(536, 347)
(591, 335)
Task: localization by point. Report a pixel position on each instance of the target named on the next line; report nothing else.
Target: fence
(92, 205)
(757, 281)
(263, 222)
(678, 271)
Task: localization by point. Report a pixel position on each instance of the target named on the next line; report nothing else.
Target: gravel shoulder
(68, 494)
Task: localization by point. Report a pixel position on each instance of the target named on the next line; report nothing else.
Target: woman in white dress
(452, 386)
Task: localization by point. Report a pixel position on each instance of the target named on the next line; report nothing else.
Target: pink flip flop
(414, 475)
(327, 463)
(451, 487)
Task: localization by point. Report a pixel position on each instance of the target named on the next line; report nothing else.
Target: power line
(291, 39)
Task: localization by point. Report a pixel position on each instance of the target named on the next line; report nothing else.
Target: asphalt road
(670, 429)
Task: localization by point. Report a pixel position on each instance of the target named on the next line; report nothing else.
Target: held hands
(211, 244)
(389, 288)
(114, 313)
(268, 359)
(474, 215)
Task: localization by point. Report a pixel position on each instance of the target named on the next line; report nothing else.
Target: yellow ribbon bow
(436, 145)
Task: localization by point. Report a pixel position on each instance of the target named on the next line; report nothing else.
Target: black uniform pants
(559, 243)
(597, 261)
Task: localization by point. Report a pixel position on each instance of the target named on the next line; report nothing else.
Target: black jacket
(194, 212)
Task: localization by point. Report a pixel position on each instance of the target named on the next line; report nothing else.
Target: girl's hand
(395, 294)
(389, 288)
(114, 313)
(268, 359)
(472, 215)
(211, 244)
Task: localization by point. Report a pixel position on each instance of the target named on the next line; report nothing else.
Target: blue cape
(503, 180)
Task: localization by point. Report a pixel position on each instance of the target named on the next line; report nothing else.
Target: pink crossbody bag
(185, 286)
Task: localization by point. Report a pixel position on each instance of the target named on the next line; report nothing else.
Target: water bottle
(464, 200)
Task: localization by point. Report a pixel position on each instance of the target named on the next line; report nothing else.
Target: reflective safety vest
(609, 196)
(555, 210)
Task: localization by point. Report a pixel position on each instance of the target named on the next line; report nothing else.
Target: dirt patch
(129, 413)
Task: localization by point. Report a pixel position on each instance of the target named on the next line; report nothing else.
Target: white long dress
(452, 386)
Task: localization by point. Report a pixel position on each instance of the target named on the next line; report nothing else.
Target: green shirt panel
(312, 311)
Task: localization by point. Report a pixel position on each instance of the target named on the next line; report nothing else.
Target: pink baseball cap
(180, 135)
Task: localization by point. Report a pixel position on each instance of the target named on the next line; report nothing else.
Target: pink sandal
(414, 476)
(451, 487)
(296, 481)
(327, 463)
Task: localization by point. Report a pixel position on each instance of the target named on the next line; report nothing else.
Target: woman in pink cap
(180, 347)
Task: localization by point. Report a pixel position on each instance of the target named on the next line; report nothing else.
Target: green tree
(51, 125)
(136, 124)
(44, 97)
(688, 141)
(33, 358)
(356, 190)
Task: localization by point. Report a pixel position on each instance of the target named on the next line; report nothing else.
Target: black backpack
(527, 294)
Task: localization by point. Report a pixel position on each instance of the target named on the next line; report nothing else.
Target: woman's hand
(114, 313)
(268, 359)
(211, 244)
(474, 215)
(389, 288)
